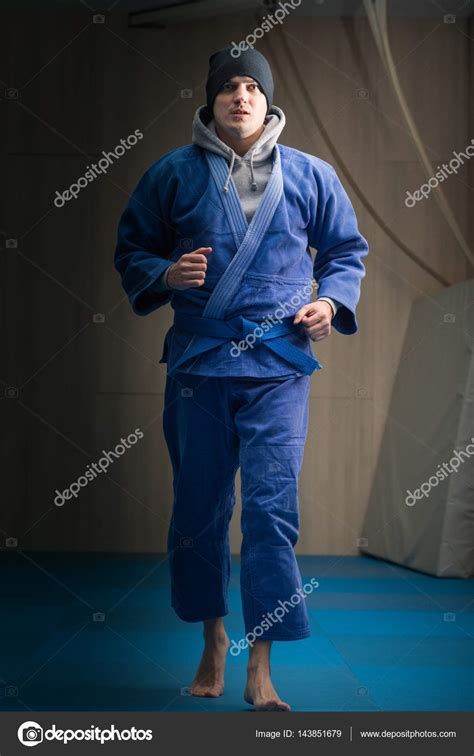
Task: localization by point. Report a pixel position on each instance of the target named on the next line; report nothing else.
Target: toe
(208, 692)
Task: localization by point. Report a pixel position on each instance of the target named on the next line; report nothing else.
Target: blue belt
(214, 332)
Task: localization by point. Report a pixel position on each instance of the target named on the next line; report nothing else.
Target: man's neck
(240, 146)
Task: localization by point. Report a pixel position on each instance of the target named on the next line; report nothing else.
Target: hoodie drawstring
(226, 185)
(225, 188)
(254, 183)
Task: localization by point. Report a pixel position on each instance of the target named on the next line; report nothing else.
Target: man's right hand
(190, 270)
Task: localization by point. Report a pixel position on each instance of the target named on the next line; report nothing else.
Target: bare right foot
(209, 679)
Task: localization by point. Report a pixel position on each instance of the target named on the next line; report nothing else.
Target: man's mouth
(240, 112)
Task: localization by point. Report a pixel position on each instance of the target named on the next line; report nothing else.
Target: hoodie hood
(205, 136)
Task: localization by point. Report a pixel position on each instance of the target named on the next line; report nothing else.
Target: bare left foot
(260, 692)
(209, 679)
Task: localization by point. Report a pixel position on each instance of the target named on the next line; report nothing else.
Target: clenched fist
(190, 270)
(316, 318)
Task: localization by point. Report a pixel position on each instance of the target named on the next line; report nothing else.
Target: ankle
(258, 667)
(215, 635)
(216, 639)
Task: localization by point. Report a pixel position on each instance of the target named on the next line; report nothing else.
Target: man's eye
(231, 86)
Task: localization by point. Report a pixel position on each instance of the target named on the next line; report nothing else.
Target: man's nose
(239, 94)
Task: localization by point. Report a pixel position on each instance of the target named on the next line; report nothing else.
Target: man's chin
(236, 130)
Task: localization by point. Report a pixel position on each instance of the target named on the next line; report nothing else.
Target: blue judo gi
(238, 371)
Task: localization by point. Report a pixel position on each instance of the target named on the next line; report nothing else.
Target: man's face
(241, 94)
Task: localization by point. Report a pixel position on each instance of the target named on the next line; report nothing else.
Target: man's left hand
(316, 318)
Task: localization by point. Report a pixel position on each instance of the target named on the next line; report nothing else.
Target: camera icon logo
(30, 733)
(186, 244)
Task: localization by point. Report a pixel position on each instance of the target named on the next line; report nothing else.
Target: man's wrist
(165, 277)
(330, 303)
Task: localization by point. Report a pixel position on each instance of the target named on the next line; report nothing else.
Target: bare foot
(209, 679)
(260, 692)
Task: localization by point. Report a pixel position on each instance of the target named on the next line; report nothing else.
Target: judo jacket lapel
(247, 237)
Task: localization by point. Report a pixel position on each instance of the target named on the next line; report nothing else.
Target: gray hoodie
(250, 172)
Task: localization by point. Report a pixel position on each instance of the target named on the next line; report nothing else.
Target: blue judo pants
(213, 426)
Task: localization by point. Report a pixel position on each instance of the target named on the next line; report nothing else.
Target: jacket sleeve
(145, 241)
(333, 232)
(160, 284)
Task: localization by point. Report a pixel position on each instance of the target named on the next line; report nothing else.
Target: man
(221, 229)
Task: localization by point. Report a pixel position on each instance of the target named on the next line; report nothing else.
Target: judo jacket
(239, 323)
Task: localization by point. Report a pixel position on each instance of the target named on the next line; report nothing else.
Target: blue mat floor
(384, 638)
